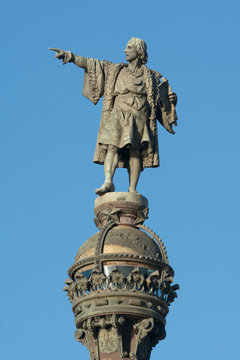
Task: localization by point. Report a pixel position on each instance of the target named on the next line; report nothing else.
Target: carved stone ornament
(120, 336)
(82, 284)
(98, 282)
(136, 280)
(108, 340)
(122, 208)
(116, 279)
(120, 300)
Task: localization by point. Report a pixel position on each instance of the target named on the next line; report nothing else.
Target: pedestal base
(120, 282)
(123, 207)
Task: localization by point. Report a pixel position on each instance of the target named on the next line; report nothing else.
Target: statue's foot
(106, 187)
(133, 191)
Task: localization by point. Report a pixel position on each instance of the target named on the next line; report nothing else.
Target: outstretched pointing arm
(94, 79)
(68, 56)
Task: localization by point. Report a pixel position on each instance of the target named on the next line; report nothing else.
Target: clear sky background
(47, 139)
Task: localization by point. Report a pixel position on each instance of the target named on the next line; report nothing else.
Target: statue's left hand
(65, 56)
(172, 98)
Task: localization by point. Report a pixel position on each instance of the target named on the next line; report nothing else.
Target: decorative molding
(138, 259)
(153, 284)
(120, 336)
(158, 240)
(133, 211)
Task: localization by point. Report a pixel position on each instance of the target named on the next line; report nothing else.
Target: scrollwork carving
(148, 333)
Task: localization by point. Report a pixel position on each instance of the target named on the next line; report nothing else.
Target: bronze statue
(134, 98)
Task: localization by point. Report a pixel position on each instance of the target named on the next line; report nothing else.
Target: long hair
(141, 49)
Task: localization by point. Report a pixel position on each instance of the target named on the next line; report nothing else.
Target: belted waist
(132, 94)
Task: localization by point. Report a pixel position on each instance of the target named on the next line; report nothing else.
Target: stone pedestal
(122, 207)
(120, 282)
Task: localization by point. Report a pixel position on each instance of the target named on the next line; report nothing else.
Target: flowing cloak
(99, 80)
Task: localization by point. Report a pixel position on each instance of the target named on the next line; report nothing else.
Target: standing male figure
(134, 98)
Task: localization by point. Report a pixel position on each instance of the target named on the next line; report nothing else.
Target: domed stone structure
(120, 282)
(121, 239)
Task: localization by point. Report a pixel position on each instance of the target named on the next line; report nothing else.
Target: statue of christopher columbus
(134, 97)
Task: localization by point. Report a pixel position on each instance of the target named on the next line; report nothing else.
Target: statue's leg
(110, 164)
(115, 163)
(134, 169)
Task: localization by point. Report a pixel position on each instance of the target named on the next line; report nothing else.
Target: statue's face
(131, 51)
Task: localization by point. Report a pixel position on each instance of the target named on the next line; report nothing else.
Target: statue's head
(136, 48)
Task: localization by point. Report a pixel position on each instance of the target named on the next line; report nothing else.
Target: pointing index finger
(53, 49)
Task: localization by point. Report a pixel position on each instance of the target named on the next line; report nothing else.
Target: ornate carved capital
(119, 336)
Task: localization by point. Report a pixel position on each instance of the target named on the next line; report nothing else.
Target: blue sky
(47, 139)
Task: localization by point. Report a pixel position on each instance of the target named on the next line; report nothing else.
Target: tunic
(132, 101)
(127, 124)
